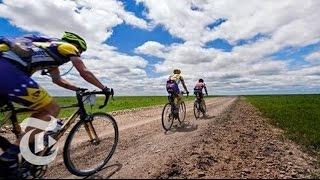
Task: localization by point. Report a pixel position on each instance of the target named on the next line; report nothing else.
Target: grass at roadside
(298, 115)
(119, 103)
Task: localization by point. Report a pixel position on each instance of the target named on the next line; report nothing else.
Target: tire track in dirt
(144, 149)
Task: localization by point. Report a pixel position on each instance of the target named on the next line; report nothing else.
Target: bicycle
(87, 126)
(169, 113)
(198, 106)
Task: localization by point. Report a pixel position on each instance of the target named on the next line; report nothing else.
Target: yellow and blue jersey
(42, 55)
(20, 59)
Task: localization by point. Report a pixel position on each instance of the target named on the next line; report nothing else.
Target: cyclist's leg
(202, 104)
(9, 158)
(202, 99)
(21, 89)
(4, 143)
(179, 99)
(10, 150)
(176, 104)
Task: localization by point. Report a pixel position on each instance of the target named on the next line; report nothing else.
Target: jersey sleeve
(68, 50)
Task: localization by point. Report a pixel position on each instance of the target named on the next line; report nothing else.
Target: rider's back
(32, 53)
(199, 86)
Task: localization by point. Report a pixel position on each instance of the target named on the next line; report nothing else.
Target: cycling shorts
(18, 87)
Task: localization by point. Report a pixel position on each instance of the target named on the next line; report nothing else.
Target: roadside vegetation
(119, 103)
(298, 115)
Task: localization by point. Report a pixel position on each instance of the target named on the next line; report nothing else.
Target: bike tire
(167, 123)
(67, 156)
(196, 110)
(182, 112)
(204, 108)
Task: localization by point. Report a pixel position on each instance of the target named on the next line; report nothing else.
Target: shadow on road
(208, 117)
(108, 171)
(183, 127)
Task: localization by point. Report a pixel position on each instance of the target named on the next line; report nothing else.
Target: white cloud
(246, 68)
(94, 21)
(151, 48)
(289, 23)
(313, 57)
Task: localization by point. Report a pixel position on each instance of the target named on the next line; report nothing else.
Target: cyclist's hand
(106, 90)
(187, 93)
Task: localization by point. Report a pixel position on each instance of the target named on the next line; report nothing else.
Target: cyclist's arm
(205, 89)
(56, 78)
(85, 73)
(184, 85)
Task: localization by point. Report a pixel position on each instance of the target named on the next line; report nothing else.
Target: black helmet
(201, 80)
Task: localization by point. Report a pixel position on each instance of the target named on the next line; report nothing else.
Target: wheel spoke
(90, 145)
(167, 117)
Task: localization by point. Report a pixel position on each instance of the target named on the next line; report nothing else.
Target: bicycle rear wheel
(91, 144)
(182, 112)
(196, 109)
(167, 117)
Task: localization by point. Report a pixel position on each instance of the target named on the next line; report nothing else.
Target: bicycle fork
(91, 132)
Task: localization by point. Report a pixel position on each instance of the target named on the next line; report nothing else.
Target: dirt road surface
(234, 142)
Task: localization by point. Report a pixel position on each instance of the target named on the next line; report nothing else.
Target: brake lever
(104, 104)
(107, 99)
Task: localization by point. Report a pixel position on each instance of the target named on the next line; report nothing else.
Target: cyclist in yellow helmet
(20, 57)
(173, 87)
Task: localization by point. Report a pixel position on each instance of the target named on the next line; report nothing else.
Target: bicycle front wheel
(182, 112)
(204, 107)
(167, 117)
(91, 144)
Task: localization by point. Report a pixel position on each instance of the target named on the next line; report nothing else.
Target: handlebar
(83, 92)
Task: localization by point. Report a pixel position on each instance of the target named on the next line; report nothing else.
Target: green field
(298, 115)
(119, 103)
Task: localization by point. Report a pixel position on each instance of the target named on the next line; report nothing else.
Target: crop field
(298, 115)
(119, 103)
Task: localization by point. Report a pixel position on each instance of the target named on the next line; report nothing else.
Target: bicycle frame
(80, 111)
(171, 98)
(11, 114)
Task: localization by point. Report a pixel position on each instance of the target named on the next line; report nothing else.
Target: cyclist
(200, 85)
(20, 57)
(173, 88)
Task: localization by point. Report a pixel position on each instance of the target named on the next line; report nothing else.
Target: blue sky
(126, 37)
(8, 29)
(207, 39)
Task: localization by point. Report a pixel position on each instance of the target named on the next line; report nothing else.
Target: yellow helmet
(176, 71)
